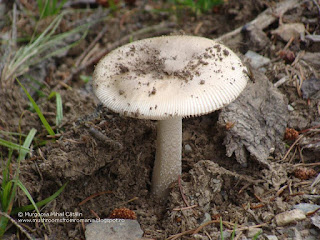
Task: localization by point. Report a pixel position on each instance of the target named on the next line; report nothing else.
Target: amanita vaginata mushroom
(166, 79)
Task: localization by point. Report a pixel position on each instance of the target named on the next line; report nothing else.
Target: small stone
(267, 216)
(306, 207)
(316, 221)
(187, 148)
(271, 237)
(288, 217)
(115, 229)
(226, 234)
(256, 60)
(312, 238)
(253, 232)
(290, 108)
(206, 218)
(310, 88)
(297, 235)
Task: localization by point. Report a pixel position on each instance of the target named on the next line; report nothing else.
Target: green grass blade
(85, 78)
(53, 8)
(234, 231)
(39, 204)
(38, 86)
(40, 6)
(19, 64)
(3, 225)
(59, 114)
(221, 229)
(61, 5)
(255, 237)
(27, 143)
(26, 192)
(6, 172)
(12, 145)
(6, 191)
(36, 107)
(46, 9)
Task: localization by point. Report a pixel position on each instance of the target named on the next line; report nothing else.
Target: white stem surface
(167, 165)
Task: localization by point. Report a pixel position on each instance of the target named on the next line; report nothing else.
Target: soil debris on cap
(123, 69)
(166, 71)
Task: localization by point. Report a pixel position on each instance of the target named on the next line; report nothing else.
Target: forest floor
(250, 192)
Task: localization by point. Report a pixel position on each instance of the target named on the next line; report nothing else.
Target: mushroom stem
(167, 165)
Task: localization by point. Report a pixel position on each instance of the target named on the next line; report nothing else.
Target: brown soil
(110, 158)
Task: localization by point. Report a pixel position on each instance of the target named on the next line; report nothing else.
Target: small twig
(83, 227)
(297, 58)
(38, 169)
(308, 129)
(196, 30)
(244, 187)
(176, 236)
(238, 236)
(300, 153)
(256, 206)
(259, 198)
(313, 212)
(281, 190)
(292, 146)
(125, 16)
(185, 208)
(255, 226)
(317, 5)
(17, 225)
(66, 86)
(249, 210)
(125, 202)
(181, 192)
(92, 44)
(293, 155)
(307, 164)
(287, 46)
(281, 81)
(198, 229)
(100, 136)
(94, 214)
(93, 196)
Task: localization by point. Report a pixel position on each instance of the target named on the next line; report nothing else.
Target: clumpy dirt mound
(12, 106)
(112, 154)
(208, 190)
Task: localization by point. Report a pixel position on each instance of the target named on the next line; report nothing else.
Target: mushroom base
(167, 165)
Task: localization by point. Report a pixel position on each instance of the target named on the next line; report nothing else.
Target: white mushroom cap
(170, 76)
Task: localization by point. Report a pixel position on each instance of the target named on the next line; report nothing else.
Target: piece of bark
(310, 88)
(262, 21)
(259, 118)
(312, 58)
(289, 30)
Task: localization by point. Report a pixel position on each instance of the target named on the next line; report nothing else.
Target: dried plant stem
(17, 225)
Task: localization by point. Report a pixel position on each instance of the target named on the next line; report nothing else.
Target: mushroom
(166, 79)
